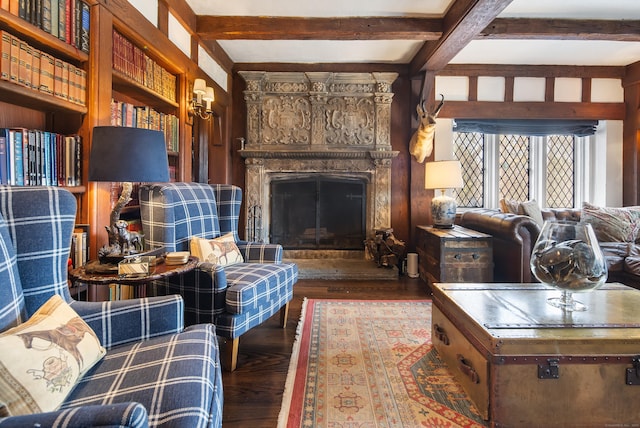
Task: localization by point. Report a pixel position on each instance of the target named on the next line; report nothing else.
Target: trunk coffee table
(525, 363)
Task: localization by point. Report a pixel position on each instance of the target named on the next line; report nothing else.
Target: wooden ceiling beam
(464, 20)
(210, 27)
(562, 29)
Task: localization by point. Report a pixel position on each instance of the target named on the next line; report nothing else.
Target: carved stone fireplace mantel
(333, 124)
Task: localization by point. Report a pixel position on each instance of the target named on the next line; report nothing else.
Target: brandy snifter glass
(567, 257)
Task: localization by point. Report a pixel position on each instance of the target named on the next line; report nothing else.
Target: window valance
(534, 127)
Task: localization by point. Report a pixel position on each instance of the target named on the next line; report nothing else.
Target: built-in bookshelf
(29, 67)
(142, 116)
(43, 82)
(67, 20)
(110, 66)
(144, 95)
(134, 64)
(33, 157)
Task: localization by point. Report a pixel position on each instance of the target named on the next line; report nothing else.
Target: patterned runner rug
(366, 364)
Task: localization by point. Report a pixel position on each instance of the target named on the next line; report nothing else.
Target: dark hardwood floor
(253, 392)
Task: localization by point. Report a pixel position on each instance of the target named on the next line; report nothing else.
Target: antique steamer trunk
(454, 255)
(525, 363)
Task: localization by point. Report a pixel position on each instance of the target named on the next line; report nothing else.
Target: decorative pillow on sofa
(612, 224)
(510, 206)
(221, 251)
(43, 359)
(528, 208)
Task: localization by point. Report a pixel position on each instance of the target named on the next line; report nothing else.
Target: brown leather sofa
(514, 236)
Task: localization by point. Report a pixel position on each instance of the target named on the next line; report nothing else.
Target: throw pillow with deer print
(43, 358)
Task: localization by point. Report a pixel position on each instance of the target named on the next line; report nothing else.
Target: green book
(54, 18)
(46, 15)
(62, 16)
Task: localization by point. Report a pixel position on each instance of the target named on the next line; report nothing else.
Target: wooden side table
(139, 283)
(454, 255)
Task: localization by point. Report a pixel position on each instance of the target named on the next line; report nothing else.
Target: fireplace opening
(318, 213)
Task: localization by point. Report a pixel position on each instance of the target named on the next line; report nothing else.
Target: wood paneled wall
(410, 201)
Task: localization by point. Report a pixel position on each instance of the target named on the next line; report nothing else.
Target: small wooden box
(525, 363)
(454, 255)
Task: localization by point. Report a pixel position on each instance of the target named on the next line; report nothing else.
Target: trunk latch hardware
(633, 373)
(551, 370)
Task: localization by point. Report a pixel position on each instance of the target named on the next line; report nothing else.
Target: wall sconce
(202, 92)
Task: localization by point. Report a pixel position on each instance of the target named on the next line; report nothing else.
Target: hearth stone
(338, 265)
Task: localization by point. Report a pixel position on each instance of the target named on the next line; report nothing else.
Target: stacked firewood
(385, 249)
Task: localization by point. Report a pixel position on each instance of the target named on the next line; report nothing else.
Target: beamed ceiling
(423, 34)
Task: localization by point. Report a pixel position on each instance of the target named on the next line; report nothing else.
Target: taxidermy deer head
(421, 144)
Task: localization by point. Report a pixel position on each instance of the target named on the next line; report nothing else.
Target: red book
(68, 14)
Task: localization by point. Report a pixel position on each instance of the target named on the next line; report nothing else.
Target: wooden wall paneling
(473, 88)
(508, 90)
(238, 129)
(586, 90)
(186, 130)
(631, 137)
(420, 198)
(506, 70)
(12, 115)
(99, 86)
(549, 92)
(163, 18)
(401, 113)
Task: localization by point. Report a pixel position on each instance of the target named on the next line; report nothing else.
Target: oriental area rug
(369, 364)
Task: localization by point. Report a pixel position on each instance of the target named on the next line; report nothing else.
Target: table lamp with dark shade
(126, 155)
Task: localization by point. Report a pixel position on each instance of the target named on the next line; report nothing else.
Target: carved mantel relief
(319, 123)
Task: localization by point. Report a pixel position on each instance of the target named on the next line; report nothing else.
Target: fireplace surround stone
(335, 124)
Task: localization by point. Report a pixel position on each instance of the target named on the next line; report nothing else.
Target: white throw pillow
(43, 359)
(221, 251)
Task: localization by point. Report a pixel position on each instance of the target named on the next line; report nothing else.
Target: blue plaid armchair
(236, 297)
(155, 372)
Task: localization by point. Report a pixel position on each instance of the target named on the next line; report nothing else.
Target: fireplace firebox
(318, 213)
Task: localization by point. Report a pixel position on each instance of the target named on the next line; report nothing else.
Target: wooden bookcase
(30, 107)
(24, 107)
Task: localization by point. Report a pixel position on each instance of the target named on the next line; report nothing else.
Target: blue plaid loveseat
(155, 372)
(236, 297)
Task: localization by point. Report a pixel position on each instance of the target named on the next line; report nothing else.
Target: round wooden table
(139, 283)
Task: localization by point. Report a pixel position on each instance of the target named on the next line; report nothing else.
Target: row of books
(31, 157)
(126, 114)
(68, 20)
(131, 61)
(25, 65)
(79, 254)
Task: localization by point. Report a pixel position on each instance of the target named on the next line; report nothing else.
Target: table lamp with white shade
(443, 175)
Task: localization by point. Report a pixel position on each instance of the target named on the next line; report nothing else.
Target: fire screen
(318, 213)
